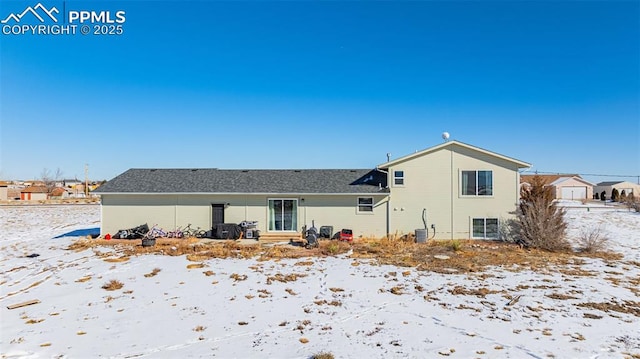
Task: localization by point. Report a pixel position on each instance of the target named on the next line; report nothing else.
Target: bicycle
(154, 233)
(177, 233)
(189, 232)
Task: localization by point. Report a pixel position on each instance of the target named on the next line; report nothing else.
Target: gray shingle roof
(211, 180)
(610, 183)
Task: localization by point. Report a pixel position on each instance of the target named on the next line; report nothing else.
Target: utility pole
(86, 180)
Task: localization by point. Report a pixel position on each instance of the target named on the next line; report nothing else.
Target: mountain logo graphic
(36, 11)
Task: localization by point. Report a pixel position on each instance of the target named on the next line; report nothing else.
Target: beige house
(565, 186)
(34, 193)
(4, 191)
(454, 189)
(626, 186)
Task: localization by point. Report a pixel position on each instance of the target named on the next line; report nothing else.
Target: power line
(587, 174)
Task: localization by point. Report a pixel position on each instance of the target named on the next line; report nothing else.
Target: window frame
(476, 179)
(396, 178)
(365, 205)
(294, 217)
(484, 228)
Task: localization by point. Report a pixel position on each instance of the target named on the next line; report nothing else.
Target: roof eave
(245, 193)
(519, 163)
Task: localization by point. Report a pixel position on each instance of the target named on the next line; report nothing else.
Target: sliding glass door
(283, 215)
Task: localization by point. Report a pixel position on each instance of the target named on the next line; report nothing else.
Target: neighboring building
(59, 193)
(33, 193)
(455, 189)
(626, 186)
(71, 183)
(565, 186)
(4, 191)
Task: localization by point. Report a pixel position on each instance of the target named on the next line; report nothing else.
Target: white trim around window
(485, 228)
(476, 183)
(282, 214)
(398, 178)
(364, 205)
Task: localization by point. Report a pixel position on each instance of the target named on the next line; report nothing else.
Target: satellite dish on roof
(445, 136)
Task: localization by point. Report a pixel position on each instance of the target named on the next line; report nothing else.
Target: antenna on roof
(388, 156)
(445, 136)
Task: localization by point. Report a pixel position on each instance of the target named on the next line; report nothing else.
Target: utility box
(326, 232)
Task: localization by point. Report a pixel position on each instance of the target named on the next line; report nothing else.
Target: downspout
(452, 189)
(388, 215)
(175, 214)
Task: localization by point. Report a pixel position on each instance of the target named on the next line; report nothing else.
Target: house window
(485, 228)
(283, 214)
(477, 183)
(398, 178)
(365, 204)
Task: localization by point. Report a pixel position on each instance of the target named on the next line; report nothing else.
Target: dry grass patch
(238, 277)
(199, 328)
(153, 273)
(627, 306)
(478, 292)
(322, 355)
(304, 263)
(397, 290)
(560, 296)
(284, 278)
(34, 321)
(195, 265)
(466, 256)
(113, 285)
(83, 279)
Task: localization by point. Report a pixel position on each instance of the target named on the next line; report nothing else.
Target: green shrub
(455, 245)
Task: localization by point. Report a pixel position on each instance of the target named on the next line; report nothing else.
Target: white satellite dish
(445, 136)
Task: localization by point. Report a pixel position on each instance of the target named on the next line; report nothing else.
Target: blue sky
(323, 84)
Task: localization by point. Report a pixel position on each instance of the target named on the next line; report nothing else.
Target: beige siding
(626, 186)
(341, 212)
(433, 182)
(169, 211)
(572, 182)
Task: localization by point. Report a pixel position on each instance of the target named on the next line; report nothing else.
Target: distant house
(71, 183)
(454, 190)
(565, 186)
(34, 193)
(60, 193)
(4, 191)
(626, 186)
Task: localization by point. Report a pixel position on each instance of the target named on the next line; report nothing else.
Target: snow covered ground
(352, 308)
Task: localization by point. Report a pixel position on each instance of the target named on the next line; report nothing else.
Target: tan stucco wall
(341, 212)
(169, 211)
(3, 193)
(34, 196)
(432, 182)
